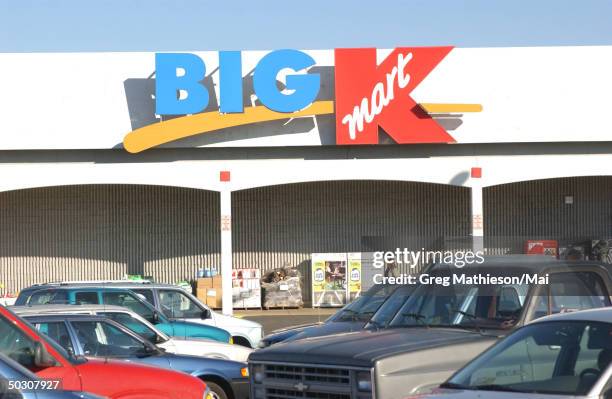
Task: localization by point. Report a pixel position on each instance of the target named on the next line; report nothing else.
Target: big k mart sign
(283, 98)
(369, 95)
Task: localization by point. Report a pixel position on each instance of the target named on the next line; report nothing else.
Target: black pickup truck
(438, 329)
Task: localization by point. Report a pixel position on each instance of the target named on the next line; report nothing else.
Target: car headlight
(231, 340)
(364, 381)
(244, 372)
(258, 373)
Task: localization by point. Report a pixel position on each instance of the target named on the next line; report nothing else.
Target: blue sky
(139, 25)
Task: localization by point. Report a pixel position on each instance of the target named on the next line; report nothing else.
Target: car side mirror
(71, 352)
(206, 314)
(42, 358)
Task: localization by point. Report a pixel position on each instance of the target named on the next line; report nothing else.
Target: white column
(477, 217)
(226, 252)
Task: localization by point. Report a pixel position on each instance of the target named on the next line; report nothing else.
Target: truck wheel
(241, 341)
(215, 390)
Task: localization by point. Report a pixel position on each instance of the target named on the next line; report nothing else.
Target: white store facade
(530, 129)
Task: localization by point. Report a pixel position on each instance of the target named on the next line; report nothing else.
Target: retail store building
(523, 151)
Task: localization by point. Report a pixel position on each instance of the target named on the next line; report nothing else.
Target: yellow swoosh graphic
(156, 134)
(164, 132)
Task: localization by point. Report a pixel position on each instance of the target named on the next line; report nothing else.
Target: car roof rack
(71, 282)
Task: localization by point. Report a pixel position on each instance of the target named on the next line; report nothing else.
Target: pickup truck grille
(297, 381)
(308, 374)
(292, 394)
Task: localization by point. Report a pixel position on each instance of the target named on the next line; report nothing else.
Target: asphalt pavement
(275, 319)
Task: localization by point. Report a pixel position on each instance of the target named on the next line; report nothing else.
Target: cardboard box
(209, 282)
(217, 282)
(204, 282)
(201, 294)
(209, 291)
(214, 298)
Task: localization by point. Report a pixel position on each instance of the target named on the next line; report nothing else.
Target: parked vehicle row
(427, 341)
(101, 294)
(415, 342)
(173, 302)
(90, 322)
(99, 337)
(138, 325)
(109, 378)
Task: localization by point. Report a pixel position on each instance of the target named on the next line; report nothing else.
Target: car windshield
(463, 305)
(362, 308)
(389, 308)
(565, 358)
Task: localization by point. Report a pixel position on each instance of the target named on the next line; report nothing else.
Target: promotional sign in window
(336, 278)
(354, 273)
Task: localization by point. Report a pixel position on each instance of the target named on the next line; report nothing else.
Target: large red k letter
(370, 95)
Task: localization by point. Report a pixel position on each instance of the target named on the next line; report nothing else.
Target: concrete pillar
(477, 217)
(226, 251)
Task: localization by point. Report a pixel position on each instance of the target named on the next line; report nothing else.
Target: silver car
(562, 356)
(140, 326)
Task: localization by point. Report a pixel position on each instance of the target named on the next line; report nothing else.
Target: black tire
(216, 389)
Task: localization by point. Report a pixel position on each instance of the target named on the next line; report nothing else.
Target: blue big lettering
(168, 84)
(305, 87)
(230, 81)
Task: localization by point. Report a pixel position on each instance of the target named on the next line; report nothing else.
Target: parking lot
(441, 327)
(282, 318)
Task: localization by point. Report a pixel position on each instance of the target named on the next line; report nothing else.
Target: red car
(113, 379)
